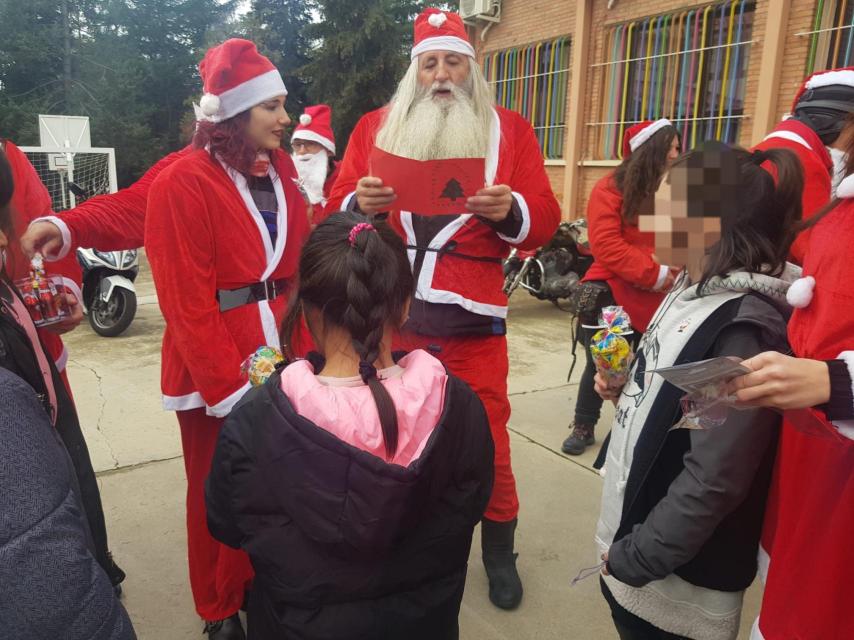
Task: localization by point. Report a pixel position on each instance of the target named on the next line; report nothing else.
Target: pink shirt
(345, 407)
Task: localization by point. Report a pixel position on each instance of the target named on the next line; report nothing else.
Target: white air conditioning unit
(484, 9)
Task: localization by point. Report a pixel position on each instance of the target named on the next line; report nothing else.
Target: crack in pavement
(101, 410)
(557, 453)
(565, 385)
(136, 465)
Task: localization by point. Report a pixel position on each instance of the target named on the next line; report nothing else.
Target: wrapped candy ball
(611, 352)
(260, 365)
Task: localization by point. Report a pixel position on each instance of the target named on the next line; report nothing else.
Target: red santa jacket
(809, 522)
(817, 166)
(622, 254)
(203, 233)
(514, 159)
(30, 201)
(114, 221)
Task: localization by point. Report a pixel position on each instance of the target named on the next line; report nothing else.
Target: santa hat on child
(639, 133)
(315, 125)
(437, 30)
(236, 78)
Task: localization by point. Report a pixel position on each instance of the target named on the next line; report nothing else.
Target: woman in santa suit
(625, 270)
(223, 231)
(809, 522)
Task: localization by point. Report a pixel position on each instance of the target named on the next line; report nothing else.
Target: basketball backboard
(64, 132)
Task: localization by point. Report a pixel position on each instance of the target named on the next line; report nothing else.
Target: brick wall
(527, 21)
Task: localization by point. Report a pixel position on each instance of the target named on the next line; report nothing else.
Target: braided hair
(355, 272)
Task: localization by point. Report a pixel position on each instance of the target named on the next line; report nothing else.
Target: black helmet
(824, 109)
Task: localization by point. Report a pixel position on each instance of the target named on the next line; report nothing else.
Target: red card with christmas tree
(429, 187)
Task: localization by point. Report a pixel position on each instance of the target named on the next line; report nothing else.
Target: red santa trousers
(481, 362)
(219, 575)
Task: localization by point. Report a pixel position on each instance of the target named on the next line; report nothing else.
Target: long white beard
(312, 169)
(840, 160)
(437, 128)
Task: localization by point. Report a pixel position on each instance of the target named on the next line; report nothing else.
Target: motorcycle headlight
(128, 259)
(108, 256)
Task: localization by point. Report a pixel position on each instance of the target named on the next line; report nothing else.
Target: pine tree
(453, 190)
(362, 52)
(278, 28)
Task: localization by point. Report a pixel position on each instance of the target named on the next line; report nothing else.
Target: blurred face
(267, 122)
(675, 150)
(686, 219)
(439, 71)
(307, 147)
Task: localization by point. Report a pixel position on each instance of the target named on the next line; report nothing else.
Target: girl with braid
(354, 478)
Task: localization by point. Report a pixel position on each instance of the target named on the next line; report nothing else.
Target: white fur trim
(645, 134)
(845, 77)
(437, 20)
(480, 308)
(305, 134)
(62, 361)
(223, 408)
(443, 43)
(788, 135)
(348, 200)
(679, 607)
(66, 236)
(800, 292)
(663, 270)
(305, 119)
(526, 221)
(846, 187)
(268, 323)
(73, 287)
(755, 632)
(183, 403)
(209, 104)
(245, 96)
(763, 562)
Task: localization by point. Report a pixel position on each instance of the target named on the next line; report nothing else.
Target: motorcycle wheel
(111, 318)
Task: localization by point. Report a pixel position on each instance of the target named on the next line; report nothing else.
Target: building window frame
(533, 80)
(689, 66)
(831, 37)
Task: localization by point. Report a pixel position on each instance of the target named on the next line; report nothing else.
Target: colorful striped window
(832, 36)
(533, 81)
(689, 66)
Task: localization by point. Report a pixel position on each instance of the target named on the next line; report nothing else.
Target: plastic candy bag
(260, 365)
(611, 352)
(43, 295)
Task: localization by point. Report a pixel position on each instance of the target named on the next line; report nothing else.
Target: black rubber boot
(499, 560)
(228, 629)
(580, 438)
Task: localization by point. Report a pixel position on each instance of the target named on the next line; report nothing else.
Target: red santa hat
(843, 77)
(639, 133)
(437, 30)
(315, 125)
(236, 78)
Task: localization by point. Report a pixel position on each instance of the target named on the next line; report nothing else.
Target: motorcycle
(109, 295)
(553, 271)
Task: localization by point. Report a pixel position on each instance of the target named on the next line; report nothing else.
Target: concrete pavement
(136, 449)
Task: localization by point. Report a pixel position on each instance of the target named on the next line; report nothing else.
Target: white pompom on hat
(800, 292)
(305, 119)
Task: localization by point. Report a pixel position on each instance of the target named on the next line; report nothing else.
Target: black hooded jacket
(345, 545)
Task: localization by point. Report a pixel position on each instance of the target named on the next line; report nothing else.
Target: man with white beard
(443, 108)
(313, 146)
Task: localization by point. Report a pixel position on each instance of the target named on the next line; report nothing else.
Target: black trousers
(631, 627)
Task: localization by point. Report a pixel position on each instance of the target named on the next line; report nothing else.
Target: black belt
(268, 290)
(450, 250)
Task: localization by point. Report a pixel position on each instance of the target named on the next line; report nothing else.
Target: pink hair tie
(355, 231)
